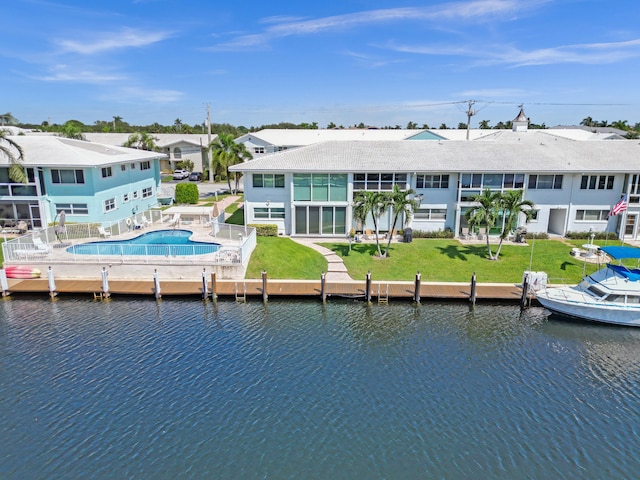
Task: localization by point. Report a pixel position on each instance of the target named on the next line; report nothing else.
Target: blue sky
(349, 61)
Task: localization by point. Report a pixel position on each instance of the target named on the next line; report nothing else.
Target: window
(147, 192)
(592, 215)
(177, 153)
(67, 176)
(320, 187)
(73, 208)
(379, 181)
(106, 172)
(109, 204)
(258, 150)
(125, 198)
(601, 182)
(432, 181)
(268, 180)
(271, 213)
(123, 168)
(545, 182)
(430, 214)
(133, 166)
(145, 165)
(135, 195)
(534, 215)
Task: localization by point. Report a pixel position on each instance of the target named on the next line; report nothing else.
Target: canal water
(131, 388)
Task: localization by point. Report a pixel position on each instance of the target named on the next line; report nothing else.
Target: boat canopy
(622, 252)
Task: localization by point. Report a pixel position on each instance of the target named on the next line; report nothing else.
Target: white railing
(66, 244)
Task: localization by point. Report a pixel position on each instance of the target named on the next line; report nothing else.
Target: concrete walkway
(336, 270)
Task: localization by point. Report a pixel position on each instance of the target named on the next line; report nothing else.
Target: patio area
(50, 248)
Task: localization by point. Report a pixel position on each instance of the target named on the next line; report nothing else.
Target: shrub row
(265, 230)
(587, 235)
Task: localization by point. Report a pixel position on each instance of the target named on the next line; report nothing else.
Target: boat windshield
(596, 292)
(615, 298)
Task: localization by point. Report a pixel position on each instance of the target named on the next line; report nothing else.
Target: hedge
(265, 230)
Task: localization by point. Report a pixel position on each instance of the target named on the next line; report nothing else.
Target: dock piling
(4, 285)
(416, 288)
(323, 291)
(367, 290)
(52, 283)
(205, 290)
(214, 294)
(265, 296)
(472, 296)
(156, 285)
(105, 283)
(525, 292)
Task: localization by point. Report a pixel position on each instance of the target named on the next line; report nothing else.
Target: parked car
(195, 176)
(179, 174)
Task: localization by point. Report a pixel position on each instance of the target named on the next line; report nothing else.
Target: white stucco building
(573, 177)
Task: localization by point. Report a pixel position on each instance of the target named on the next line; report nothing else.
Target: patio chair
(22, 226)
(136, 224)
(103, 233)
(175, 221)
(464, 233)
(41, 246)
(145, 221)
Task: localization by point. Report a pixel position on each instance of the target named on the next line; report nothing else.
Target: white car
(180, 174)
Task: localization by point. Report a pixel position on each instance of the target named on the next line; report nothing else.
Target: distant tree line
(74, 128)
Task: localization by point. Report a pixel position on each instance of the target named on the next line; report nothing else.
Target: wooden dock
(378, 291)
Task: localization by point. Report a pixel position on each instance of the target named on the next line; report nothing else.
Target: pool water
(160, 242)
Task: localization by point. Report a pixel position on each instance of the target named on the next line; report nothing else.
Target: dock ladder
(383, 299)
(241, 296)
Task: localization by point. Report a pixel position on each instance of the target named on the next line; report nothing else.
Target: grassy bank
(284, 258)
(437, 260)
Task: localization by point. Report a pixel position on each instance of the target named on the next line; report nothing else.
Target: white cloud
(62, 73)
(105, 41)
(475, 10)
(485, 55)
(138, 95)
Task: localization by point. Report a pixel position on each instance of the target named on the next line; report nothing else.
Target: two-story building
(90, 182)
(309, 191)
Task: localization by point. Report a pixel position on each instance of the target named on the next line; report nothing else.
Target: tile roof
(535, 150)
(47, 150)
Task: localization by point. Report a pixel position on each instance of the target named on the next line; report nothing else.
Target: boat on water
(610, 295)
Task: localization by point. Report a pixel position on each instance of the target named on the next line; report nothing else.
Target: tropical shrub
(187, 193)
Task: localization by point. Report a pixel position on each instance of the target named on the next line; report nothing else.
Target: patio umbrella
(216, 211)
(60, 228)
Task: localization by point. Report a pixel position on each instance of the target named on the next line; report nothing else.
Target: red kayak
(18, 271)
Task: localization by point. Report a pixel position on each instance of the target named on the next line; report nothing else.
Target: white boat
(610, 295)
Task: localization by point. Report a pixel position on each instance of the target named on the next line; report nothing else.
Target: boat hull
(567, 302)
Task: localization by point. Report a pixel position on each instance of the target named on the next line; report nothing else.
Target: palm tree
(401, 201)
(141, 141)
(484, 124)
(7, 119)
(513, 205)
(71, 130)
(374, 203)
(485, 212)
(587, 122)
(225, 152)
(15, 155)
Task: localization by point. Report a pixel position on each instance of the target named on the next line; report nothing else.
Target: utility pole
(470, 113)
(211, 175)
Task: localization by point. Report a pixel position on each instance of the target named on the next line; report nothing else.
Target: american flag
(619, 207)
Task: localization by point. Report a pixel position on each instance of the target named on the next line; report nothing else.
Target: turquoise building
(90, 182)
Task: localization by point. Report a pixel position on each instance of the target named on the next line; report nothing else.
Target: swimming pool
(158, 243)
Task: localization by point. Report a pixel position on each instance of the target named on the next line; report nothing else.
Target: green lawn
(450, 261)
(284, 258)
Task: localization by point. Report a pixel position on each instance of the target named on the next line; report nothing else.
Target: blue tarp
(622, 252)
